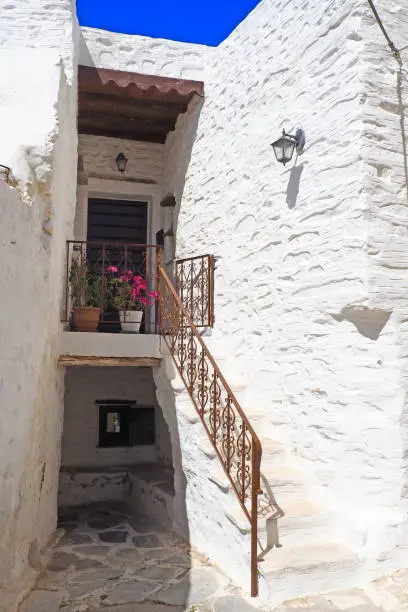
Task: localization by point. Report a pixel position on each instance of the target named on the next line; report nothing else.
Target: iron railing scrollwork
(228, 428)
(194, 283)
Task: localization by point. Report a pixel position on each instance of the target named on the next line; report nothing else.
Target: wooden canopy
(129, 105)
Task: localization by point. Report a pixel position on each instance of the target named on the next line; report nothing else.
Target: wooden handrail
(232, 435)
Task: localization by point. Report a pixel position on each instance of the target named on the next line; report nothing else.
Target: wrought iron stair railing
(194, 283)
(234, 440)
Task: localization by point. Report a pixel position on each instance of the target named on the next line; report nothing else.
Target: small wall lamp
(121, 162)
(286, 144)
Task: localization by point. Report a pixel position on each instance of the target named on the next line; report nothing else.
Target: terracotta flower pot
(85, 319)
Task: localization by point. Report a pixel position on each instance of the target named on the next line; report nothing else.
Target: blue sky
(206, 22)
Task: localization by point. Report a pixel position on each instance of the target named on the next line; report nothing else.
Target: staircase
(291, 537)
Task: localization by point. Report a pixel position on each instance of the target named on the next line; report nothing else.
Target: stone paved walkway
(111, 561)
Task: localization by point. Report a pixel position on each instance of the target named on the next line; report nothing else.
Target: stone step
(271, 450)
(301, 570)
(278, 481)
(281, 479)
(207, 447)
(297, 516)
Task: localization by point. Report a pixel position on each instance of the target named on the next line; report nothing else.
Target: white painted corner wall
(39, 142)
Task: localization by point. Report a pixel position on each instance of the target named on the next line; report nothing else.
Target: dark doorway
(120, 222)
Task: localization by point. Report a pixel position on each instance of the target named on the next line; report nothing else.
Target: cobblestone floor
(111, 561)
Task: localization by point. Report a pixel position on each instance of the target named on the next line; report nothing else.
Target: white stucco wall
(384, 149)
(85, 386)
(142, 54)
(308, 301)
(39, 143)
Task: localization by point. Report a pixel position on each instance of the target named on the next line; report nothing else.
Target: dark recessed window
(125, 424)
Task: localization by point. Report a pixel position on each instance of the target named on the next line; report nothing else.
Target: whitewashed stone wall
(39, 143)
(385, 195)
(83, 387)
(143, 55)
(307, 290)
(177, 155)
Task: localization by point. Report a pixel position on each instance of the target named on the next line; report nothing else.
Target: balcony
(110, 307)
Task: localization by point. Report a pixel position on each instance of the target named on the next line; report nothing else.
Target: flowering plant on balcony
(85, 285)
(130, 290)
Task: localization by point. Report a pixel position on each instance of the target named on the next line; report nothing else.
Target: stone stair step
(303, 560)
(271, 449)
(281, 478)
(280, 483)
(207, 447)
(188, 410)
(312, 568)
(221, 480)
(297, 515)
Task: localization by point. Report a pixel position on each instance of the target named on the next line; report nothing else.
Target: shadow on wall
(270, 510)
(85, 57)
(292, 190)
(369, 322)
(179, 147)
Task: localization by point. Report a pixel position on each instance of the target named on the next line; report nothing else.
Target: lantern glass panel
(121, 162)
(288, 148)
(278, 147)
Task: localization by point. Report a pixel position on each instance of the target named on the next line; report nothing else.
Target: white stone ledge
(110, 345)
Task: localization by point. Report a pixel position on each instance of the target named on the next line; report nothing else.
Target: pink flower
(112, 269)
(143, 300)
(154, 295)
(139, 282)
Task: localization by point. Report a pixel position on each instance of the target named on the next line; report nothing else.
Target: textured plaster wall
(83, 387)
(145, 159)
(384, 135)
(306, 280)
(141, 54)
(39, 143)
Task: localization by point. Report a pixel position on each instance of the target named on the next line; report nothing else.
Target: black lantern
(121, 162)
(285, 145)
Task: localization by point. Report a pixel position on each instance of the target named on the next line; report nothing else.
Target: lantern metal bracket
(298, 137)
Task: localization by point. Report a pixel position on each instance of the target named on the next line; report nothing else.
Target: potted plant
(130, 297)
(85, 288)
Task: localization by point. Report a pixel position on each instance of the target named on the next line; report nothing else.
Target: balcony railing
(97, 274)
(194, 283)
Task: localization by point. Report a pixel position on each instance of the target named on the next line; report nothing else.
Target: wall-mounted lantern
(286, 144)
(121, 162)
